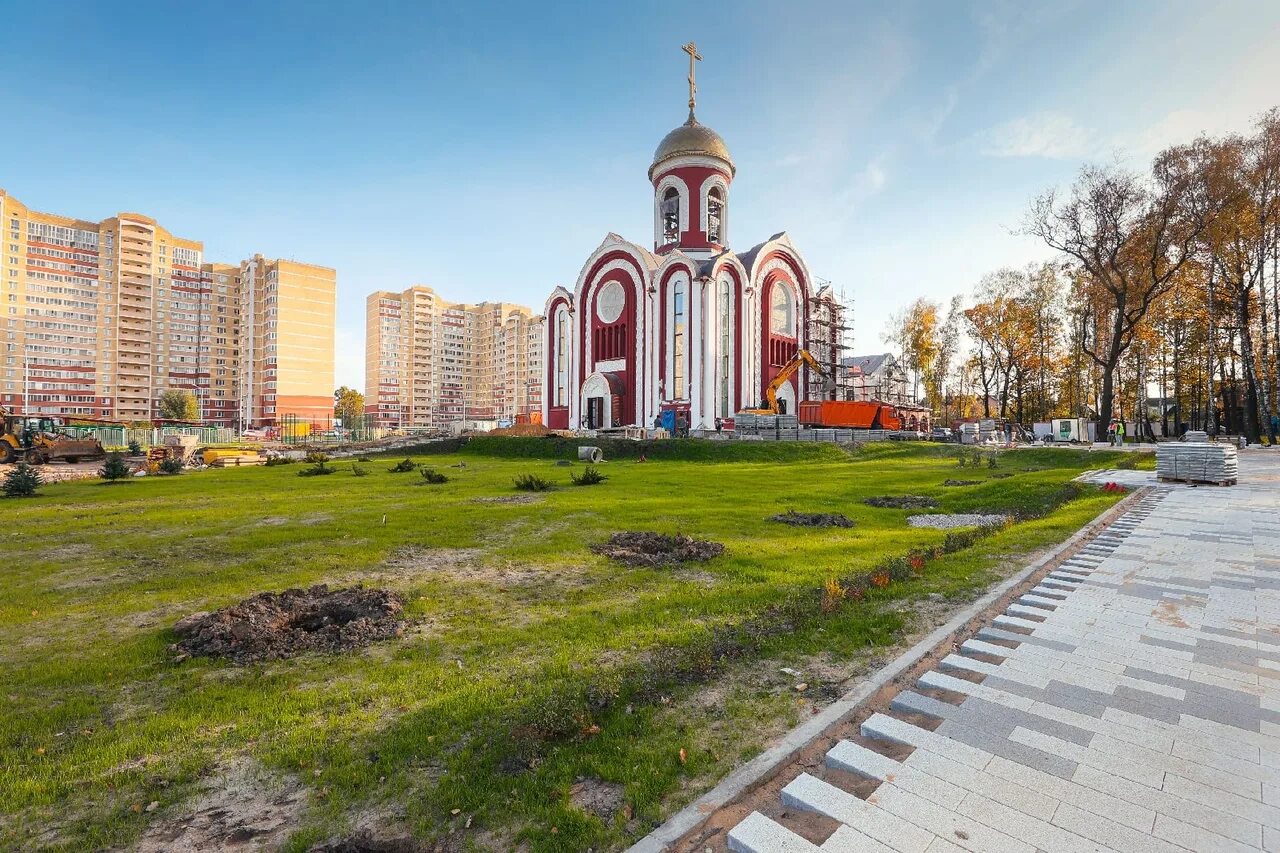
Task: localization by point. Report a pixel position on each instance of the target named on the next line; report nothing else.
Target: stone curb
(762, 767)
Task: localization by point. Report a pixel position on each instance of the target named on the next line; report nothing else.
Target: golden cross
(694, 56)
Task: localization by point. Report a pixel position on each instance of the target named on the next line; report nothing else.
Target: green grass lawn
(530, 663)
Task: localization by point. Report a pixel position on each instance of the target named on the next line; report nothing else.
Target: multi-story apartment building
(104, 317)
(430, 362)
(286, 358)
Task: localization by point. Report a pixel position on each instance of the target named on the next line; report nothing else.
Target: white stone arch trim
(781, 245)
(644, 261)
(660, 190)
(704, 194)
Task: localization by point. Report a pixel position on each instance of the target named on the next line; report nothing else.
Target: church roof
(748, 258)
(691, 138)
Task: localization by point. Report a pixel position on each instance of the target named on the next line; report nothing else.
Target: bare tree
(1130, 237)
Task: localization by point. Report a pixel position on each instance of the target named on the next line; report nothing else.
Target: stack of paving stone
(1195, 435)
(1197, 462)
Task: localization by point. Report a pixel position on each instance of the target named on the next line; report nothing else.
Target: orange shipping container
(847, 414)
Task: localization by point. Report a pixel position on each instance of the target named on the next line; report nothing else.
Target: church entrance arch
(602, 395)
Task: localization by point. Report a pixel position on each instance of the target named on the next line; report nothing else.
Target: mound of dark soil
(812, 519)
(961, 482)
(902, 502)
(274, 625)
(657, 549)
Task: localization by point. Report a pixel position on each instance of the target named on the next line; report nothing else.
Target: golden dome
(691, 138)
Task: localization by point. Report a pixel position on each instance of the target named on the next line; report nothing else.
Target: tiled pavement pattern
(1130, 702)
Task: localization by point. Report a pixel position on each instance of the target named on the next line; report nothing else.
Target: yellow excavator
(37, 440)
(801, 358)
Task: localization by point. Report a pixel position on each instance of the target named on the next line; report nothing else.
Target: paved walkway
(1129, 703)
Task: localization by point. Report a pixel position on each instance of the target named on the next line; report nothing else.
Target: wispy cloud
(1044, 134)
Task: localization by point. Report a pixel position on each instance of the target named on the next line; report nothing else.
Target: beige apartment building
(102, 317)
(431, 363)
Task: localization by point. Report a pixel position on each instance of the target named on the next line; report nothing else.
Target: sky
(486, 149)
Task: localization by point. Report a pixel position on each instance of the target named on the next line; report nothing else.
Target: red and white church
(689, 325)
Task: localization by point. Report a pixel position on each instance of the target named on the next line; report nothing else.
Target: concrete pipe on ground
(590, 454)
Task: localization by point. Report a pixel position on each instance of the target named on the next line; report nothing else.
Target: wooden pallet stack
(1197, 462)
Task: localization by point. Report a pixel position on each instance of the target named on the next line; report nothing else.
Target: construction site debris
(812, 519)
(590, 454)
(655, 550)
(270, 625)
(902, 502)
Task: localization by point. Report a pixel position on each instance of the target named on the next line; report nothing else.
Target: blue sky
(486, 149)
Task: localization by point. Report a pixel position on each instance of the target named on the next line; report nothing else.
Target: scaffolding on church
(829, 333)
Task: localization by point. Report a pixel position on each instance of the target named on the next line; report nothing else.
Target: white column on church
(695, 351)
(711, 359)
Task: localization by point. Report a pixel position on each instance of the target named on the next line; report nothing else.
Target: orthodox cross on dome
(694, 56)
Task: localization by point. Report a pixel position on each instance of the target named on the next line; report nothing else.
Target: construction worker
(1120, 433)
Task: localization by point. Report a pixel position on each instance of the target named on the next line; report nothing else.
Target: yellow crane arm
(802, 357)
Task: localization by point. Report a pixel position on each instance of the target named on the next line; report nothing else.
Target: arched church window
(562, 351)
(726, 343)
(715, 215)
(671, 216)
(782, 311)
(678, 324)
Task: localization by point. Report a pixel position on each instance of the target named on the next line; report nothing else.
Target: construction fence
(326, 431)
(121, 436)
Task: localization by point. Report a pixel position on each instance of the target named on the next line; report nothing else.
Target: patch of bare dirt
(902, 502)
(465, 565)
(242, 807)
(812, 519)
(654, 550)
(274, 625)
(369, 843)
(598, 797)
(961, 482)
(508, 499)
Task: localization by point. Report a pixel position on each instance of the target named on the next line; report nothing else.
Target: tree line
(1161, 305)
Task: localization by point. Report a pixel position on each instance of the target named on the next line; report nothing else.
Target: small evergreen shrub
(22, 481)
(279, 460)
(434, 477)
(135, 449)
(532, 483)
(316, 457)
(170, 465)
(317, 469)
(404, 466)
(359, 470)
(590, 476)
(114, 469)
(992, 461)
